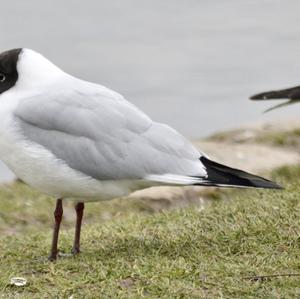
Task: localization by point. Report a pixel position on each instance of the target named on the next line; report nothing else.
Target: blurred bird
(292, 94)
(77, 140)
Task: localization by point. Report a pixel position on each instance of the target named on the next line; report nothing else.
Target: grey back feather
(104, 137)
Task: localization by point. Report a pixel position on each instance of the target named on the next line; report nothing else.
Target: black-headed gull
(77, 140)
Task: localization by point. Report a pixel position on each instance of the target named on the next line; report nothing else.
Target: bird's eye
(2, 77)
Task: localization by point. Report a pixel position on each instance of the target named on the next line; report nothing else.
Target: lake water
(191, 64)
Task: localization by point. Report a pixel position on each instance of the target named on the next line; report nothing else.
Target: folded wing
(105, 137)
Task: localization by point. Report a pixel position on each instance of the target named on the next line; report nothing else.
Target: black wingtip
(292, 93)
(221, 175)
(269, 95)
(258, 96)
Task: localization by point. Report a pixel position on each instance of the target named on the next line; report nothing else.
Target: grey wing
(105, 138)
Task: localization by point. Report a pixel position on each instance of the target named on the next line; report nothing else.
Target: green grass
(131, 253)
(286, 139)
(289, 139)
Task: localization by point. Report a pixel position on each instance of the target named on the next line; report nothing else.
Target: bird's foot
(75, 250)
(52, 257)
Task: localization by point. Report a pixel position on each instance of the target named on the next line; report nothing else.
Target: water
(191, 64)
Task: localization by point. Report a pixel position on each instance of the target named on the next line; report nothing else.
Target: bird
(77, 140)
(292, 95)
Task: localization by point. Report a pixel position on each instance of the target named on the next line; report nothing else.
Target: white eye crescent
(2, 77)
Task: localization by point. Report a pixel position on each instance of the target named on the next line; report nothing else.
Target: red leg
(57, 216)
(79, 207)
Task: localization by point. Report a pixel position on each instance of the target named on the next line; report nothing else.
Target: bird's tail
(216, 175)
(224, 176)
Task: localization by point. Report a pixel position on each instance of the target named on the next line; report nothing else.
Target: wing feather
(105, 137)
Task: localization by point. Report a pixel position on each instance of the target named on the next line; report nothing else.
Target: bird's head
(25, 69)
